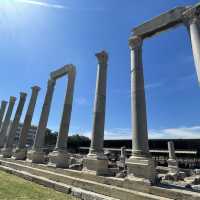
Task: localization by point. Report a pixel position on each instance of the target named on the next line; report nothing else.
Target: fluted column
(59, 157)
(20, 153)
(97, 139)
(96, 161)
(192, 21)
(8, 146)
(36, 154)
(6, 121)
(2, 111)
(140, 163)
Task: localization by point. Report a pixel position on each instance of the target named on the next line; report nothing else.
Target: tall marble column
(140, 164)
(96, 161)
(6, 121)
(2, 111)
(59, 157)
(172, 163)
(21, 150)
(191, 19)
(37, 155)
(8, 146)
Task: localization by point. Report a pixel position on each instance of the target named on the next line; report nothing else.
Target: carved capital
(102, 57)
(36, 88)
(135, 42)
(23, 95)
(3, 102)
(12, 99)
(191, 15)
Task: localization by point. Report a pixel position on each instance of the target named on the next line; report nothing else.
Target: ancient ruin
(100, 174)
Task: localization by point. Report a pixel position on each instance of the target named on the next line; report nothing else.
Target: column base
(7, 152)
(36, 156)
(173, 165)
(59, 159)
(96, 164)
(20, 154)
(142, 168)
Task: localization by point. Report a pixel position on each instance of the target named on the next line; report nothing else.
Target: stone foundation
(20, 154)
(141, 167)
(36, 156)
(7, 152)
(59, 159)
(95, 164)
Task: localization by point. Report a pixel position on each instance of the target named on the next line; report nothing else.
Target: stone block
(99, 166)
(141, 167)
(59, 159)
(172, 165)
(20, 154)
(36, 156)
(7, 152)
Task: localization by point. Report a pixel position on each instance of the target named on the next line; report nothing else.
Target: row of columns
(140, 164)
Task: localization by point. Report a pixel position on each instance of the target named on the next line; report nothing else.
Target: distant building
(30, 137)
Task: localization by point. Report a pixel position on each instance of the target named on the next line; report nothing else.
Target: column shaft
(6, 122)
(140, 164)
(15, 123)
(138, 104)
(192, 21)
(2, 111)
(97, 139)
(40, 134)
(171, 150)
(28, 118)
(61, 143)
(194, 29)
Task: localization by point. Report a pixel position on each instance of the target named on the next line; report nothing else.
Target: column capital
(35, 88)
(12, 99)
(135, 42)
(102, 57)
(23, 95)
(191, 15)
(4, 102)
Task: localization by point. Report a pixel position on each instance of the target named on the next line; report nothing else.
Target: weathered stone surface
(8, 146)
(40, 134)
(62, 71)
(20, 152)
(36, 156)
(6, 122)
(160, 23)
(59, 159)
(115, 187)
(97, 165)
(2, 111)
(140, 163)
(96, 160)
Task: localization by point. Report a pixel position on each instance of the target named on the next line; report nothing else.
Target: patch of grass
(15, 188)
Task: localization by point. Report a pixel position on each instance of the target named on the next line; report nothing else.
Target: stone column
(20, 152)
(140, 164)
(2, 111)
(192, 21)
(8, 146)
(172, 163)
(123, 155)
(37, 155)
(96, 161)
(6, 122)
(59, 157)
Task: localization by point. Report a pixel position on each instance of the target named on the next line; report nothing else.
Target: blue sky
(38, 37)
